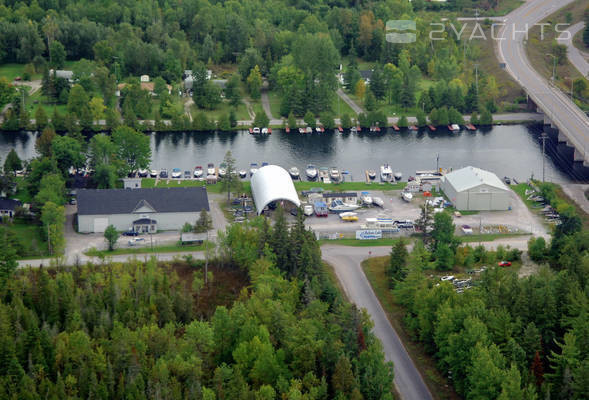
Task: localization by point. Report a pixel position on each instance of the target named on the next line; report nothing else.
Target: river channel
(514, 151)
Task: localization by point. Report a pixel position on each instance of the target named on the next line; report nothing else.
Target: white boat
(309, 130)
(334, 174)
(222, 172)
(265, 131)
(308, 210)
(211, 169)
(348, 214)
(377, 201)
(294, 173)
(318, 130)
(143, 173)
(242, 173)
(253, 168)
(366, 199)
(176, 173)
(338, 206)
(153, 173)
(197, 171)
(256, 130)
(311, 171)
(386, 173)
(398, 176)
(301, 130)
(454, 127)
(407, 196)
(371, 174)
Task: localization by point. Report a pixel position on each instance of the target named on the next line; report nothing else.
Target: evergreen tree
(403, 123)
(346, 122)
(12, 162)
(398, 263)
(486, 117)
(292, 121)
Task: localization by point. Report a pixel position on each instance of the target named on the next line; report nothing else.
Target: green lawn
(345, 186)
(31, 239)
(147, 250)
(488, 237)
(343, 107)
(38, 100)
(274, 98)
(11, 71)
(360, 243)
(223, 108)
(300, 186)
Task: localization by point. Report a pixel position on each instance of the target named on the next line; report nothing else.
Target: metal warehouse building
(141, 210)
(472, 188)
(273, 183)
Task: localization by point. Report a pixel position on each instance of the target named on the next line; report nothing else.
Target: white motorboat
(366, 199)
(309, 130)
(256, 130)
(453, 127)
(264, 131)
(386, 173)
(210, 169)
(377, 201)
(176, 173)
(153, 173)
(294, 173)
(398, 176)
(318, 129)
(334, 174)
(311, 171)
(407, 196)
(338, 206)
(253, 168)
(242, 173)
(308, 210)
(197, 171)
(222, 172)
(371, 174)
(143, 173)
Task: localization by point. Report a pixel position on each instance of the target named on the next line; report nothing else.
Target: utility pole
(544, 136)
(438, 162)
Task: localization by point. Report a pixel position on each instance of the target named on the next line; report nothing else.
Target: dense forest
(139, 330)
(297, 46)
(507, 337)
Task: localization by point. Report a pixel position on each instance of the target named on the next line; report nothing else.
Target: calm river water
(514, 151)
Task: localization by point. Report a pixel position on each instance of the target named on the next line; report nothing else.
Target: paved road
(266, 104)
(557, 106)
(575, 56)
(346, 262)
(357, 109)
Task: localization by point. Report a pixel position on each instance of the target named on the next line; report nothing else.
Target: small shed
(132, 183)
(144, 78)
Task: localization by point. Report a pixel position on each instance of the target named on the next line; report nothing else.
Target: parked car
(164, 173)
(504, 263)
(130, 233)
(136, 241)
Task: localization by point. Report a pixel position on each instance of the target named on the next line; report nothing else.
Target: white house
(140, 210)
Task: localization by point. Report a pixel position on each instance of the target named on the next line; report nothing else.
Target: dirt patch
(222, 291)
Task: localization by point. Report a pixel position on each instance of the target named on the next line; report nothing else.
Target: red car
(504, 263)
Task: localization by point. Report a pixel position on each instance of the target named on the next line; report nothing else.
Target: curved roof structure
(272, 183)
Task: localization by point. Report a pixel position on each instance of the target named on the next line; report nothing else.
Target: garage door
(100, 224)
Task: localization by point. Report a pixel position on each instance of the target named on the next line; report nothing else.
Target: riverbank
(169, 126)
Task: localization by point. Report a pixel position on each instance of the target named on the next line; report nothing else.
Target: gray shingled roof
(124, 201)
(9, 204)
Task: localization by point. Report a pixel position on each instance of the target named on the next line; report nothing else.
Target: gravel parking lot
(519, 217)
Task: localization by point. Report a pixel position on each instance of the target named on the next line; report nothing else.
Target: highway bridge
(559, 110)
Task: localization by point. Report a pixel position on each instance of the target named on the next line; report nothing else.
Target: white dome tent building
(273, 183)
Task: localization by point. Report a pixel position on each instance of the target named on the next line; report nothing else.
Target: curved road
(346, 263)
(557, 106)
(575, 56)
